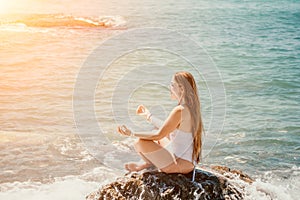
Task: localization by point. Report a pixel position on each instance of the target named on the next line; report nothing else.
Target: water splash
(61, 20)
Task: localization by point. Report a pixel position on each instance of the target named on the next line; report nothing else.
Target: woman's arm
(143, 111)
(156, 121)
(169, 125)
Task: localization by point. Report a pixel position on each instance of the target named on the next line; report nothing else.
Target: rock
(154, 185)
(229, 173)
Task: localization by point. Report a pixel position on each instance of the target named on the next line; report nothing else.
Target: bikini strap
(194, 174)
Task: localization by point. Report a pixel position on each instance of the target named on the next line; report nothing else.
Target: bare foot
(134, 167)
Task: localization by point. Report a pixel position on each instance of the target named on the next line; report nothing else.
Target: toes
(126, 167)
(131, 167)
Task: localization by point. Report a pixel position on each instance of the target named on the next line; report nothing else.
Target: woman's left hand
(124, 130)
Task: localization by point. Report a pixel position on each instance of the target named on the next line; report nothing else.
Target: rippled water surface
(255, 46)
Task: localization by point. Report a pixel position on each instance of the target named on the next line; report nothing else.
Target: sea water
(255, 46)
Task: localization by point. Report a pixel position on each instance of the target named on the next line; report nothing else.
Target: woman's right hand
(124, 130)
(143, 111)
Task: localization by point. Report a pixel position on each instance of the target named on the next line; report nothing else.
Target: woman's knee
(139, 144)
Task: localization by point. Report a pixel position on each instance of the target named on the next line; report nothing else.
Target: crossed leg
(155, 154)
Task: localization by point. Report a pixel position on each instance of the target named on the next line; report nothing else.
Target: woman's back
(186, 123)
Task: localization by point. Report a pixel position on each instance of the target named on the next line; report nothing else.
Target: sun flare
(4, 6)
(7, 5)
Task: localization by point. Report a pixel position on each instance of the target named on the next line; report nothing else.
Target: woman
(176, 146)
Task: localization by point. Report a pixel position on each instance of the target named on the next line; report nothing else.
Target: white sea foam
(78, 187)
(272, 187)
(276, 189)
(20, 23)
(72, 188)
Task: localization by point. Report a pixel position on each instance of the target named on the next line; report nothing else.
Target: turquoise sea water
(255, 45)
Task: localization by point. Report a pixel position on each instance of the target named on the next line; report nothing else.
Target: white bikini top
(182, 144)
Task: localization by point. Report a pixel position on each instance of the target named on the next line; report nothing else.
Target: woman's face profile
(175, 90)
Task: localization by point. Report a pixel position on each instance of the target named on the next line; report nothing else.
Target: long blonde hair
(191, 99)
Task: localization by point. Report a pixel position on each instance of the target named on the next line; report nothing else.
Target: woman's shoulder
(183, 110)
(178, 108)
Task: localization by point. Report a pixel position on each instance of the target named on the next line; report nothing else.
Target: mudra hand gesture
(124, 130)
(143, 111)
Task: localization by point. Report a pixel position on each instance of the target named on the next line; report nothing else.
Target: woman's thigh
(181, 166)
(155, 153)
(162, 158)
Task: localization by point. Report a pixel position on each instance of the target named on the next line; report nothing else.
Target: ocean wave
(61, 20)
(71, 188)
(67, 187)
(281, 185)
(266, 187)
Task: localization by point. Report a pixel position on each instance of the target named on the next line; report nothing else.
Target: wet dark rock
(155, 185)
(229, 173)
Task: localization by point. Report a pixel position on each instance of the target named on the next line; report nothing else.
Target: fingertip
(119, 129)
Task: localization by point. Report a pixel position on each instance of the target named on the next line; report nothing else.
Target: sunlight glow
(13, 6)
(5, 5)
